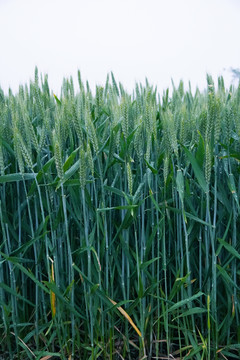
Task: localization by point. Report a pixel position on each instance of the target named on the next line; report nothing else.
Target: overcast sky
(157, 39)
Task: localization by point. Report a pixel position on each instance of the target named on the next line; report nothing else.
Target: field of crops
(119, 222)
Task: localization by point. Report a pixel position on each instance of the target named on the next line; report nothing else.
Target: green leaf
(145, 264)
(70, 172)
(94, 289)
(140, 289)
(14, 293)
(233, 189)
(118, 158)
(227, 278)
(39, 176)
(16, 177)
(57, 100)
(154, 201)
(130, 136)
(180, 184)
(197, 170)
(70, 159)
(43, 354)
(229, 248)
(124, 207)
(234, 155)
(22, 249)
(153, 170)
(196, 310)
(200, 153)
(224, 236)
(115, 190)
(190, 216)
(16, 262)
(185, 301)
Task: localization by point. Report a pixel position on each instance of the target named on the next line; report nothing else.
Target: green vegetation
(119, 222)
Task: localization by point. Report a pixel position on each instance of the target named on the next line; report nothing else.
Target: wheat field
(119, 222)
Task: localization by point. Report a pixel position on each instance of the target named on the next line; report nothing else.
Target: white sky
(157, 39)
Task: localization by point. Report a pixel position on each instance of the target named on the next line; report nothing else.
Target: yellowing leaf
(52, 295)
(125, 314)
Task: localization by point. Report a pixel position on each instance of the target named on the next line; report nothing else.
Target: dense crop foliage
(119, 222)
